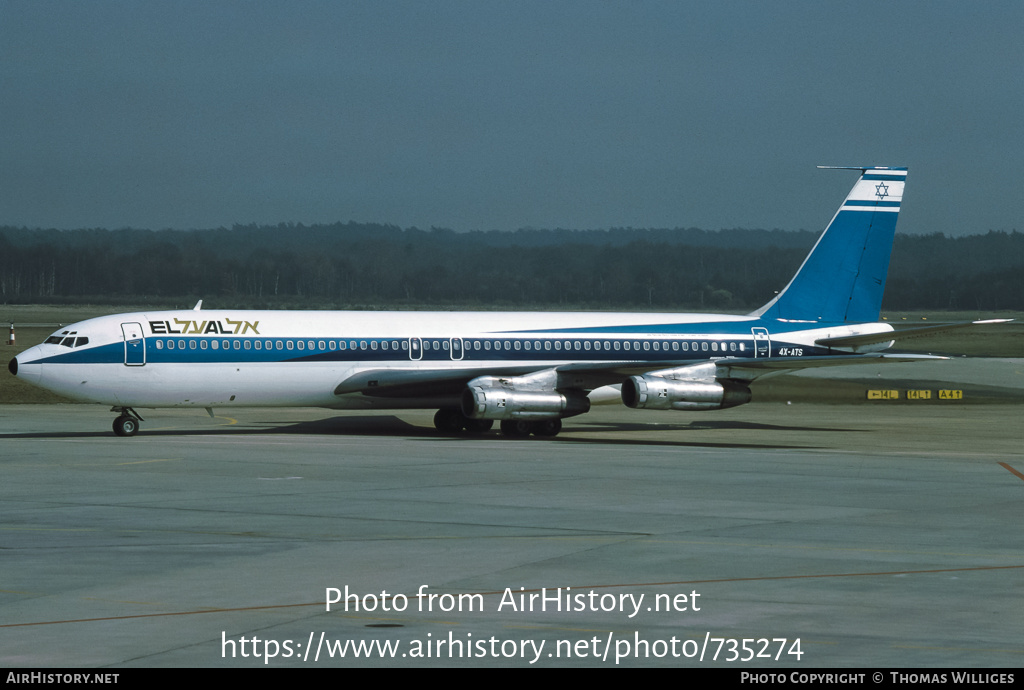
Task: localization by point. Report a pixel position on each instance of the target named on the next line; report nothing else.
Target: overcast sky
(499, 115)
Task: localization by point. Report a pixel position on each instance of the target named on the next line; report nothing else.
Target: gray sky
(500, 115)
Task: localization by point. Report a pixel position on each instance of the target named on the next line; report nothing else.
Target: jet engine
(492, 397)
(657, 393)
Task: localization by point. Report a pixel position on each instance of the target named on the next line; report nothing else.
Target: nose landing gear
(127, 423)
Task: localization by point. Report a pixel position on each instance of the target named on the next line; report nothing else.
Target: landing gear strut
(127, 424)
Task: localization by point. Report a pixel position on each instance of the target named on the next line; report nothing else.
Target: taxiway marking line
(1019, 475)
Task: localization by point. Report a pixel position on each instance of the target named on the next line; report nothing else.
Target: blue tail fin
(843, 277)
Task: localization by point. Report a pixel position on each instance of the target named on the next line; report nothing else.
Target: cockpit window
(67, 340)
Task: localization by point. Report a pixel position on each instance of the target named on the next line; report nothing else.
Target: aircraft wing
(750, 369)
(734, 368)
(411, 383)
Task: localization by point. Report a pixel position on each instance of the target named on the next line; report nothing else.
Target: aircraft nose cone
(25, 366)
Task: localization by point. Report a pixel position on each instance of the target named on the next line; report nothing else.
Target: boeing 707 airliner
(526, 370)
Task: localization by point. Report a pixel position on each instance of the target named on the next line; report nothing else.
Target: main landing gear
(127, 423)
(452, 421)
(519, 428)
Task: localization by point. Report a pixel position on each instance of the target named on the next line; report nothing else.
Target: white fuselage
(214, 358)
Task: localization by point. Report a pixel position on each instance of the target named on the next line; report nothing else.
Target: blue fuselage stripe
(587, 348)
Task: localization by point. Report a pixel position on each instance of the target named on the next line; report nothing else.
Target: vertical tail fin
(843, 277)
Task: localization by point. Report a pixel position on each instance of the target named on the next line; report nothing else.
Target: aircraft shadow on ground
(393, 426)
(383, 425)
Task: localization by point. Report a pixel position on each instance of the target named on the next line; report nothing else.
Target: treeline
(353, 265)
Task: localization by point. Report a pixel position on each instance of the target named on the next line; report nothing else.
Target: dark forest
(350, 265)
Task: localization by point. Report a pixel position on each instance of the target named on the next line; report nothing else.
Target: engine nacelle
(657, 393)
(491, 397)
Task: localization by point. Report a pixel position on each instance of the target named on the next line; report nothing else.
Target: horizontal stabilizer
(905, 333)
